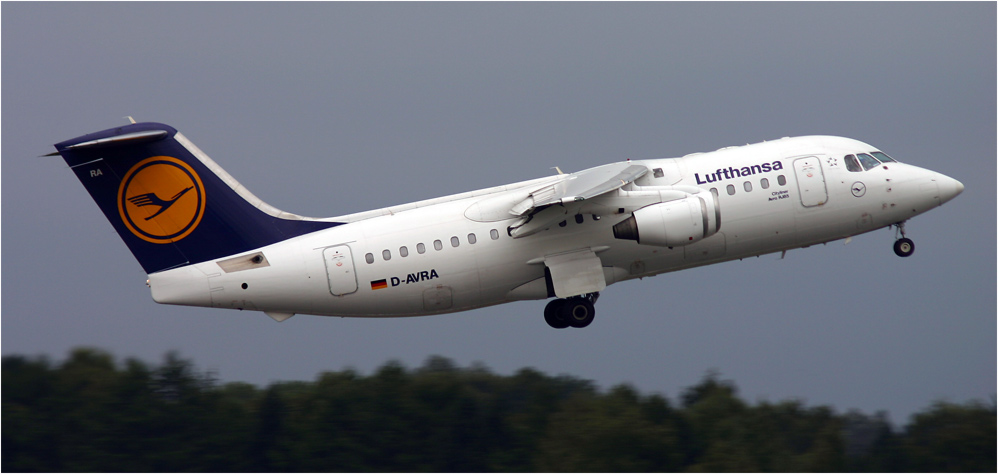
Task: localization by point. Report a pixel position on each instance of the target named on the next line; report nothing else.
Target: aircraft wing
(581, 186)
(537, 210)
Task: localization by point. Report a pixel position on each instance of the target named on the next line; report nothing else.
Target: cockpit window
(852, 164)
(883, 157)
(868, 161)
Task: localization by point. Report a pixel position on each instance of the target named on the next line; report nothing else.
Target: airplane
(205, 240)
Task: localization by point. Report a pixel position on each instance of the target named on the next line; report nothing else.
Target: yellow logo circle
(161, 200)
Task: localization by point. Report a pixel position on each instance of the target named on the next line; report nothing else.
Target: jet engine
(672, 223)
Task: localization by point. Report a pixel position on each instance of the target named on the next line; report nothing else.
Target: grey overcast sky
(326, 109)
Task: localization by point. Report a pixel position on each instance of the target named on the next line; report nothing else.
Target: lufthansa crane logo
(161, 200)
(858, 189)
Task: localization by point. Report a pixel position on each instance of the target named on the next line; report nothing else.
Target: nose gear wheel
(904, 247)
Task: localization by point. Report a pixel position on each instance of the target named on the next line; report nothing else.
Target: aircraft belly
(714, 247)
(772, 230)
(500, 277)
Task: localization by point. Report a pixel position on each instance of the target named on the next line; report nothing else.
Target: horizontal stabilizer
(123, 139)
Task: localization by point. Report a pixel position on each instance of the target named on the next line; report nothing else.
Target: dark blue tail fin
(169, 202)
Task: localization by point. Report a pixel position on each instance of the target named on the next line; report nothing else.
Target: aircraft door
(340, 270)
(811, 182)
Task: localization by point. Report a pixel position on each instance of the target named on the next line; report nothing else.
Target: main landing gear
(576, 312)
(903, 246)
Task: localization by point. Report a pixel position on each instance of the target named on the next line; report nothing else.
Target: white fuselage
(455, 253)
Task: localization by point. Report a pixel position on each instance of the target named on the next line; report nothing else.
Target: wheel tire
(904, 247)
(553, 314)
(578, 312)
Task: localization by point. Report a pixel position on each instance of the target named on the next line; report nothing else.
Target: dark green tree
(91, 414)
(952, 438)
(618, 432)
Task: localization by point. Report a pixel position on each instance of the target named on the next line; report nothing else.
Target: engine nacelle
(672, 223)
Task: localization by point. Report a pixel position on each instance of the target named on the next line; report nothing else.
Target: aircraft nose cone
(949, 188)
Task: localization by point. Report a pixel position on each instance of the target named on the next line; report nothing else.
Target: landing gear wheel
(904, 247)
(578, 311)
(553, 314)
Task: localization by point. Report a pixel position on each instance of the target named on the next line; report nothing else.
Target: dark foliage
(90, 414)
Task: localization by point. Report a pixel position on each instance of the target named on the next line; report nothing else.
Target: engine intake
(672, 223)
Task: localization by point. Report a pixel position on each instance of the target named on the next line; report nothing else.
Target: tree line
(92, 414)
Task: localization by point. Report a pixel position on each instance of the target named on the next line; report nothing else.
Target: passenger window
(369, 258)
(471, 238)
(852, 164)
(403, 251)
(438, 244)
(867, 161)
(454, 241)
(883, 157)
(420, 248)
(747, 186)
(730, 189)
(714, 193)
(657, 172)
(494, 234)
(764, 183)
(562, 224)
(781, 180)
(386, 254)
(579, 219)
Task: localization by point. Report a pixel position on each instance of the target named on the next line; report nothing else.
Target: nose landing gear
(904, 246)
(576, 312)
